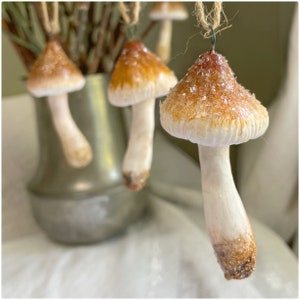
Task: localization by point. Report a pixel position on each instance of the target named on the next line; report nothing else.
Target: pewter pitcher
(89, 204)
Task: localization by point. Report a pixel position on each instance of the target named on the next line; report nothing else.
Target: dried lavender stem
(91, 17)
(148, 29)
(71, 25)
(118, 46)
(21, 24)
(28, 16)
(101, 35)
(115, 40)
(81, 28)
(26, 55)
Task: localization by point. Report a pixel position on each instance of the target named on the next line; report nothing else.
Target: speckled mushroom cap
(53, 73)
(138, 75)
(209, 107)
(168, 11)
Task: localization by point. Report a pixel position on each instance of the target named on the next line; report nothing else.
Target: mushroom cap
(168, 11)
(53, 73)
(139, 75)
(209, 107)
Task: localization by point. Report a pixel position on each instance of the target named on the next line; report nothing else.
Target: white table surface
(166, 254)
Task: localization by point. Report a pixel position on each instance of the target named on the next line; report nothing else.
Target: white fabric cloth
(165, 254)
(268, 167)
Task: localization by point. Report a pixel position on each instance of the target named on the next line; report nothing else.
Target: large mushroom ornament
(210, 108)
(53, 75)
(138, 78)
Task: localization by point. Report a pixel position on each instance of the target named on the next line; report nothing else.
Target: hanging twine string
(135, 13)
(211, 21)
(46, 20)
(55, 19)
(131, 17)
(51, 26)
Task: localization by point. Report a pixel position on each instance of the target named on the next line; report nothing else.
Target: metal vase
(89, 204)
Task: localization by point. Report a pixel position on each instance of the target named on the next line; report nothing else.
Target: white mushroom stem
(138, 157)
(163, 47)
(75, 146)
(225, 216)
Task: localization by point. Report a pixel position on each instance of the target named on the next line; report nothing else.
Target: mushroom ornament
(166, 12)
(53, 75)
(138, 78)
(210, 108)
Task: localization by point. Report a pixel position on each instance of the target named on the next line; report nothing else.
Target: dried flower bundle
(91, 33)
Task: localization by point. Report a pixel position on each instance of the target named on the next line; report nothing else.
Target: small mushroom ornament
(210, 108)
(166, 13)
(138, 78)
(53, 75)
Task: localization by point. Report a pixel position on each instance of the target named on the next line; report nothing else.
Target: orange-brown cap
(168, 11)
(139, 75)
(209, 107)
(54, 73)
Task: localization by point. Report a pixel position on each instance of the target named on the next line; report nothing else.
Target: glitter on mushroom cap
(209, 107)
(139, 75)
(54, 73)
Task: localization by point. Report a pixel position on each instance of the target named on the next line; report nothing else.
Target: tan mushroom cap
(53, 73)
(139, 75)
(209, 107)
(168, 11)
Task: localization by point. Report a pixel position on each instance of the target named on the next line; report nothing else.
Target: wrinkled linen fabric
(268, 166)
(166, 254)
